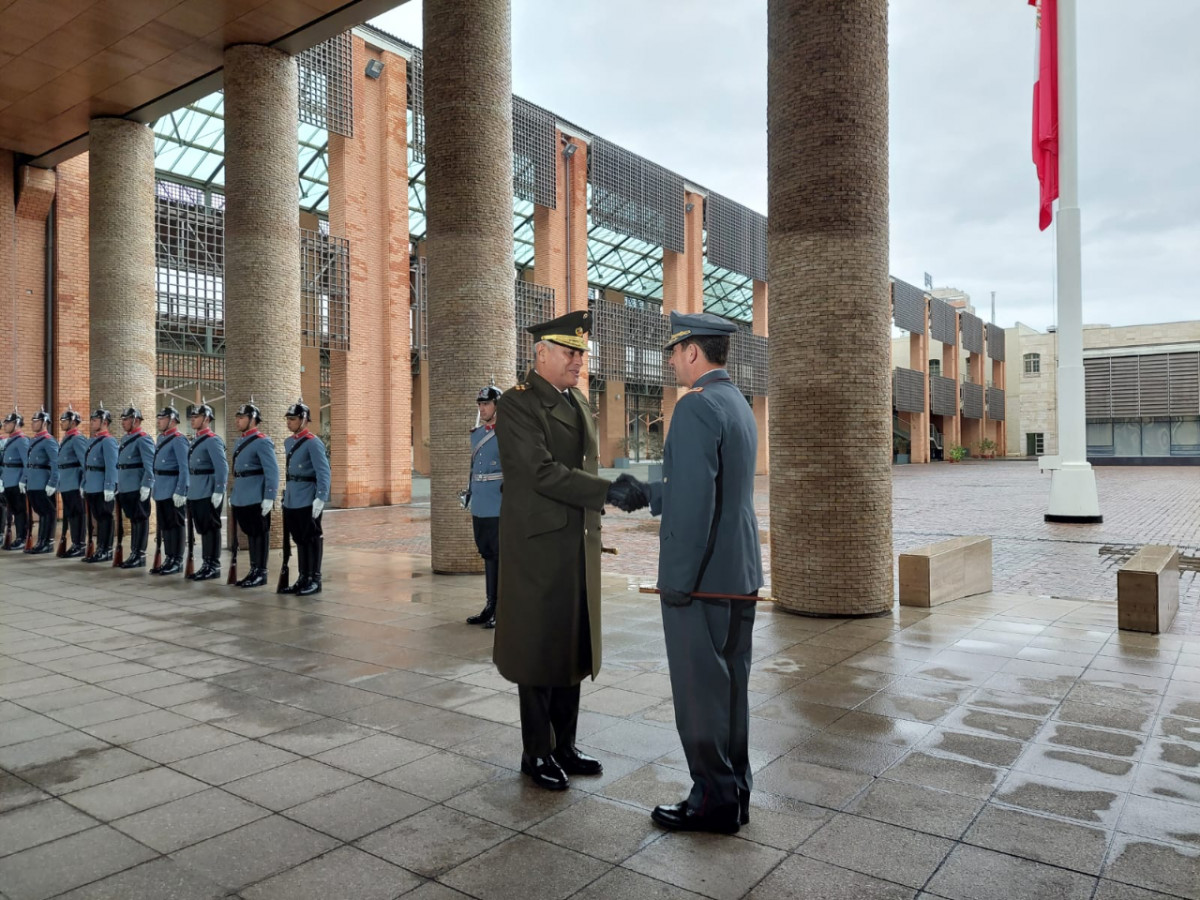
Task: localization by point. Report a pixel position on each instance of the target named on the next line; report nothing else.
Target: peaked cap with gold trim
(570, 330)
(697, 325)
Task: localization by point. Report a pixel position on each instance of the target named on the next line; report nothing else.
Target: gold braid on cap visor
(576, 342)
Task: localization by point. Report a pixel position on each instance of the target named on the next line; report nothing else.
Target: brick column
(918, 359)
(262, 240)
(952, 425)
(472, 331)
(121, 227)
(999, 379)
(374, 376)
(762, 417)
(683, 286)
(71, 350)
(827, 143)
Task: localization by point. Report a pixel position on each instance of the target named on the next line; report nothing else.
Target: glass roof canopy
(189, 146)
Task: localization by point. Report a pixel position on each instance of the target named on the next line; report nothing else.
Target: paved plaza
(161, 740)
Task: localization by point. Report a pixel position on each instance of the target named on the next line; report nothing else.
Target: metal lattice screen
(535, 153)
(747, 364)
(971, 328)
(190, 371)
(189, 271)
(628, 344)
(737, 237)
(1151, 386)
(943, 322)
(908, 390)
(995, 342)
(908, 307)
(943, 396)
(535, 304)
(324, 290)
(327, 85)
(972, 401)
(995, 404)
(416, 104)
(635, 197)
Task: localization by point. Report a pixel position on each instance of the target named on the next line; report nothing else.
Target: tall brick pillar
(469, 196)
(683, 285)
(121, 261)
(827, 144)
(71, 348)
(262, 239)
(762, 415)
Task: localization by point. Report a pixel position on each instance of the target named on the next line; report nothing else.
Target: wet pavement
(161, 740)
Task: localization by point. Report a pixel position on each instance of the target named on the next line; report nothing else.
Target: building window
(1035, 444)
(935, 367)
(1033, 363)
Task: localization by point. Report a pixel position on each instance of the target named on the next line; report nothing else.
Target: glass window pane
(1127, 437)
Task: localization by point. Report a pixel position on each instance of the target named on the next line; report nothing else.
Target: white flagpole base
(1073, 497)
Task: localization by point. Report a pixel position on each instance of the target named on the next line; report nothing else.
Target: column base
(1073, 497)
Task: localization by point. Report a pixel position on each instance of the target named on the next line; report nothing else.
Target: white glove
(22, 487)
(109, 495)
(50, 491)
(266, 507)
(179, 499)
(318, 505)
(218, 498)
(144, 494)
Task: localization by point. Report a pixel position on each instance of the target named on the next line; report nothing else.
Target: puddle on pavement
(1179, 755)
(1085, 806)
(1103, 765)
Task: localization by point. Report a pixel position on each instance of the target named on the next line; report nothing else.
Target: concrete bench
(945, 571)
(1148, 590)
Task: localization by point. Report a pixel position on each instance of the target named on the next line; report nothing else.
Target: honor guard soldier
(304, 497)
(170, 488)
(3, 502)
(72, 457)
(208, 471)
(40, 481)
(255, 484)
(16, 448)
(135, 481)
(100, 483)
(483, 499)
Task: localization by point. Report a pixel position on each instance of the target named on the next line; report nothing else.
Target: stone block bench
(1148, 590)
(945, 571)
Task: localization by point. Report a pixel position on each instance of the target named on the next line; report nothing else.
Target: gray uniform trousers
(708, 649)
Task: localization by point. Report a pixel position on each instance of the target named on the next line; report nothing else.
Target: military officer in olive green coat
(548, 613)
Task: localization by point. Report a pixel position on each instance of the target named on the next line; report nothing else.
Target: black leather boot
(135, 560)
(487, 614)
(173, 566)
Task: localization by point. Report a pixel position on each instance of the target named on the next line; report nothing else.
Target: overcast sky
(683, 82)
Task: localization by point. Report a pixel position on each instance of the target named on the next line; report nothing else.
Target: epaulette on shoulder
(696, 390)
(520, 387)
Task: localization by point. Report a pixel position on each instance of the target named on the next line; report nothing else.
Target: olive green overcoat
(548, 609)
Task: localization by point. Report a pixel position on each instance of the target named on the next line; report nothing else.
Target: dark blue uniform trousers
(708, 650)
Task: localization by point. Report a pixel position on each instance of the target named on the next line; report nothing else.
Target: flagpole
(1073, 496)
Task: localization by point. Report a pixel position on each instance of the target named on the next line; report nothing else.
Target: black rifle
(232, 579)
(87, 512)
(119, 553)
(284, 574)
(191, 525)
(158, 543)
(62, 538)
(28, 523)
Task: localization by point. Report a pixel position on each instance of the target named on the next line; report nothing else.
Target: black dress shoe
(41, 549)
(75, 552)
(135, 561)
(744, 807)
(486, 614)
(100, 557)
(575, 763)
(680, 817)
(490, 623)
(256, 578)
(312, 586)
(171, 567)
(544, 771)
(207, 572)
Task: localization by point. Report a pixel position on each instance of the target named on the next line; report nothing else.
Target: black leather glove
(674, 598)
(628, 494)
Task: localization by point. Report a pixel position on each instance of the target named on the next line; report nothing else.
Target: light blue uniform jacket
(101, 464)
(16, 448)
(41, 463)
(72, 453)
(135, 462)
(207, 467)
(307, 472)
(170, 466)
(255, 470)
(486, 477)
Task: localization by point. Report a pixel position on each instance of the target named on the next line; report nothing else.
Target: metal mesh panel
(1097, 375)
(327, 85)
(634, 196)
(1185, 383)
(324, 290)
(908, 307)
(995, 404)
(747, 363)
(189, 269)
(737, 237)
(971, 328)
(628, 345)
(535, 154)
(908, 390)
(972, 401)
(943, 396)
(535, 304)
(995, 342)
(943, 325)
(416, 103)
(177, 371)
(1125, 386)
(1153, 389)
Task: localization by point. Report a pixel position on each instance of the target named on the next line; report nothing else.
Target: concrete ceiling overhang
(65, 62)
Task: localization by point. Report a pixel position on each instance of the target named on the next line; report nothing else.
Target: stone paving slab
(160, 739)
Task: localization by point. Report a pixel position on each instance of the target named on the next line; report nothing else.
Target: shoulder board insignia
(696, 390)
(520, 387)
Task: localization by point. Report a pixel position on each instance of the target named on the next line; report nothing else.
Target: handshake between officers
(108, 488)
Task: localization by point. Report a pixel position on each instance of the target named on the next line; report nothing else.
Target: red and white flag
(1045, 109)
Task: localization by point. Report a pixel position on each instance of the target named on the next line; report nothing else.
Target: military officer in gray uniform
(16, 448)
(255, 484)
(100, 483)
(208, 470)
(708, 544)
(304, 498)
(170, 488)
(135, 481)
(483, 499)
(40, 481)
(72, 457)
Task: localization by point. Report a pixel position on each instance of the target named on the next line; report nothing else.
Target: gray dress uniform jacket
(307, 471)
(135, 462)
(15, 451)
(208, 470)
(101, 464)
(486, 476)
(41, 463)
(72, 457)
(170, 465)
(255, 470)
